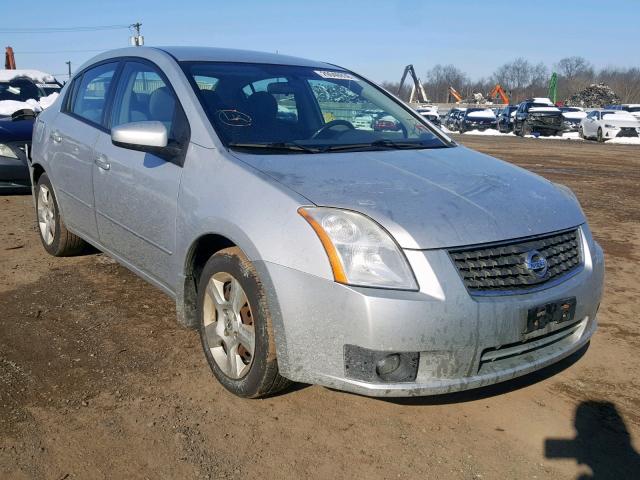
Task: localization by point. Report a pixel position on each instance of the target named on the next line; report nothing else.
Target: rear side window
(89, 101)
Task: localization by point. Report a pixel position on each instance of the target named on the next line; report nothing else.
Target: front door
(136, 193)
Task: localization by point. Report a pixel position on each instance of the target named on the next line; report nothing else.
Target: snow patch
(544, 109)
(8, 107)
(625, 140)
(574, 114)
(488, 131)
(482, 114)
(35, 75)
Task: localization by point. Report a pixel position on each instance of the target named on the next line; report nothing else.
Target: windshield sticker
(48, 85)
(234, 118)
(332, 74)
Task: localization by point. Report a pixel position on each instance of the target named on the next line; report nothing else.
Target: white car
(604, 125)
(430, 112)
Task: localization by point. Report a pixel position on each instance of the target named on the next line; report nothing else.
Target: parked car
(604, 125)
(633, 109)
(505, 117)
(451, 119)
(430, 113)
(538, 115)
(15, 141)
(386, 123)
(476, 119)
(386, 263)
(572, 116)
(20, 94)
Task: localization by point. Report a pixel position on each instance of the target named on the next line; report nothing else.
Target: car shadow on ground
(602, 442)
(496, 389)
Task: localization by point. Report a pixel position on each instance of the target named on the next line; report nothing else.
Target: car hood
(15, 131)
(430, 198)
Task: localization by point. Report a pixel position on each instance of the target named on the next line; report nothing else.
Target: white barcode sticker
(335, 75)
(48, 85)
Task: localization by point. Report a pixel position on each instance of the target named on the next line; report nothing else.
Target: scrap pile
(594, 96)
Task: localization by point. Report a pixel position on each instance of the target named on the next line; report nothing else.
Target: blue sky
(375, 38)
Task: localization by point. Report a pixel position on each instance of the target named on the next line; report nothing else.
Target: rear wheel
(236, 328)
(55, 237)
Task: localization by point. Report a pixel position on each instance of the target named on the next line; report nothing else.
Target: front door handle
(102, 162)
(55, 136)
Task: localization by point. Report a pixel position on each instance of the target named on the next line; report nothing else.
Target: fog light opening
(387, 365)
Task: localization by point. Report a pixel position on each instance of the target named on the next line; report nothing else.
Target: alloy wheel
(228, 324)
(46, 214)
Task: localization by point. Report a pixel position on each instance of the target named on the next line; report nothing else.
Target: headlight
(5, 151)
(606, 125)
(360, 251)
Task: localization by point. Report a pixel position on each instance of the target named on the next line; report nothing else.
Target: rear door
(71, 144)
(136, 193)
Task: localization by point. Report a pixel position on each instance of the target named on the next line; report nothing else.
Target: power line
(63, 29)
(62, 51)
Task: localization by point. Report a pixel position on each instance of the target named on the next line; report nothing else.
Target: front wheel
(236, 328)
(581, 132)
(601, 138)
(56, 239)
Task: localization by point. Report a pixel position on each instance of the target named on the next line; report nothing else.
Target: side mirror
(149, 137)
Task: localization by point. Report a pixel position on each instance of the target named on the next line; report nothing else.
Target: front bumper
(480, 126)
(620, 132)
(457, 335)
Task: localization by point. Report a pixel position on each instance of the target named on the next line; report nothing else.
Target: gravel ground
(98, 381)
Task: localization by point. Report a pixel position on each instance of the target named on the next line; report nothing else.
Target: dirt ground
(98, 381)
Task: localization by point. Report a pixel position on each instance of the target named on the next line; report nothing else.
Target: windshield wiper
(382, 144)
(278, 146)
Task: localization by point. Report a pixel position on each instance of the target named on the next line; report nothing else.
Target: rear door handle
(55, 136)
(102, 162)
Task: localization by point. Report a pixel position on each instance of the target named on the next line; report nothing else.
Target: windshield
(286, 108)
(632, 109)
(21, 90)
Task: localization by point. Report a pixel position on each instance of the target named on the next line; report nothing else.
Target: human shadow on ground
(602, 442)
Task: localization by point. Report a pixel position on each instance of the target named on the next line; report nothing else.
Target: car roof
(210, 54)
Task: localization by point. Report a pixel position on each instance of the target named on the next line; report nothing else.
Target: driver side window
(142, 96)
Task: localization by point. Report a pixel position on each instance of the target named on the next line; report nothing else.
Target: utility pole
(137, 40)
(69, 68)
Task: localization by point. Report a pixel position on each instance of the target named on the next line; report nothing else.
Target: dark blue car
(16, 126)
(15, 141)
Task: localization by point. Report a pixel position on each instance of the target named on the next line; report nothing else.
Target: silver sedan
(304, 245)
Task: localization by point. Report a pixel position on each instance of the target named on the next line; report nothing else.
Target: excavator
(455, 94)
(553, 88)
(498, 91)
(418, 95)
(9, 59)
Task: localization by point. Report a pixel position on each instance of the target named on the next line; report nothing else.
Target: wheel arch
(198, 253)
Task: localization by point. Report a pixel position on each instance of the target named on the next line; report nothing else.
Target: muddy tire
(525, 130)
(600, 137)
(236, 328)
(55, 238)
(581, 132)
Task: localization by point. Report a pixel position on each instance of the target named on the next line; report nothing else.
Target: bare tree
(440, 78)
(574, 67)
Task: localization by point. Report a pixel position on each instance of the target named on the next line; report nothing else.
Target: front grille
(502, 268)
